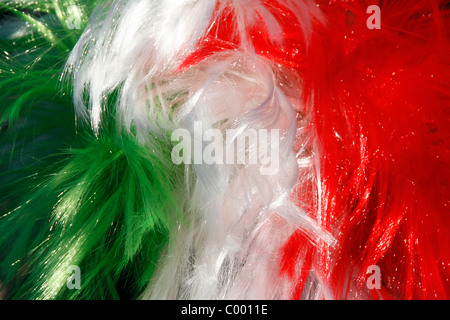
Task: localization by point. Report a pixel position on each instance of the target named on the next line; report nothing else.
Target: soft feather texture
(131, 46)
(108, 210)
(36, 116)
(364, 159)
(239, 216)
(378, 105)
(104, 203)
(380, 101)
(146, 65)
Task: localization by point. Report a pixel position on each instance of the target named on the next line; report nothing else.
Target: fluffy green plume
(103, 203)
(108, 209)
(36, 114)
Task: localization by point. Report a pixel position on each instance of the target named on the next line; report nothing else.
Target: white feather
(238, 218)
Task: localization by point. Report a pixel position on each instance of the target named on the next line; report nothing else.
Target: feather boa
(88, 177)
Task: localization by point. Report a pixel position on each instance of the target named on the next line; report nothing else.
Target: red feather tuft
(224, 33)
(380, 100)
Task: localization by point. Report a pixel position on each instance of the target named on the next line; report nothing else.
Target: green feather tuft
(105, 203)
(109, 209)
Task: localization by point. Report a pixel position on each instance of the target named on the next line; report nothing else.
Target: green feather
(110, 209)
(105, 203)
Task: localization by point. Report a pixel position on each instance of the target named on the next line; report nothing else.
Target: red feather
(380, 100)
(380, 109)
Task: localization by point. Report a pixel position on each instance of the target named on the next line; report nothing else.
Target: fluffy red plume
(379, 105)
(380, 100)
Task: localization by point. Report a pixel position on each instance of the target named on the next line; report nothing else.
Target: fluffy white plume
(128, 59)
(239, 218)
(130, 46)
(127, 47)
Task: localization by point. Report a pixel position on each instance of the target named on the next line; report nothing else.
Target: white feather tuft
(129, 58)
(239, 218)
